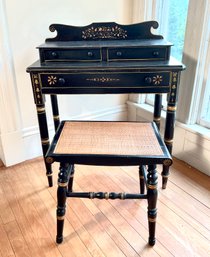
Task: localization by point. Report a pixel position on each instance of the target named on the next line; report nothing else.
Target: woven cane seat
(108, 143)
(108, 138)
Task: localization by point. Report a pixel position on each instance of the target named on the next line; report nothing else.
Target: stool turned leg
(61, 197)
(165, 175)
(152, 201)
(49, 174)
(141, 179)
(71, 178)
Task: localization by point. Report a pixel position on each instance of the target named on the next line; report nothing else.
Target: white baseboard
(12, 151)
(191, 142)
(31, 136)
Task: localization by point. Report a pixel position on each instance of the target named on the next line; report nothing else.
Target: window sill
(191, 142)
(195, 128)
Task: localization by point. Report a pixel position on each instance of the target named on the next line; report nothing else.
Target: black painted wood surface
(106, 58)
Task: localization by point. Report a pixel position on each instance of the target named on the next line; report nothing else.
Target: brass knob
(90, 54)
(156, 53)
(61, 81)
(54, 54)
(119, 53)
(148, 80)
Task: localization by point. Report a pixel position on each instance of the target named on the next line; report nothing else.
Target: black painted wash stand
(106, 58)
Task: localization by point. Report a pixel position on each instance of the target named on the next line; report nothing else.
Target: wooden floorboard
(102, 227)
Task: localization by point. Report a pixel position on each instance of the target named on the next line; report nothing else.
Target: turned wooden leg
(165, 175)
(168, 139)
(152, 201)
(157, 109)
(141, 179)
(42, 119)
(39, 100)
(61, 198)
(71, 179)
(170, 122)
(55, 111)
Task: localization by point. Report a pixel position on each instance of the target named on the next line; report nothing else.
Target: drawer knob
(148, 80)
(90, 54)
(54, 55)
(61, 81)
(156, 53)
(119, 53)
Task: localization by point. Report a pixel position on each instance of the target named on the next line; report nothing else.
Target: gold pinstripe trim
(165, 176)
(62, 184)
(106, 196)
(156, 119)
(45, 141)
(171, 108)
(169, 141)
(91, 195)
(152, 187)
(60, 217)
(152, 219)
(56, 117)
(122, 196)
(40, 109)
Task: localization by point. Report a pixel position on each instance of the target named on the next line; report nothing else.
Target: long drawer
(144, 81)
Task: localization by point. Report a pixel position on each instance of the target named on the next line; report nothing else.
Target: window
(186, 23)
(172, 22)
(204, 110)
(175, 27)
(193, 110)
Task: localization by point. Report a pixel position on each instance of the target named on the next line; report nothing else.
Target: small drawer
(71, 55)
(145, 81)
(137, 54)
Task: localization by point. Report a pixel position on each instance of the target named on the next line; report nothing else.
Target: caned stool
(108, 144)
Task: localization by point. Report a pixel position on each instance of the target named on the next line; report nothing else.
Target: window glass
(172, 27)
(205, 111)
(177, 17)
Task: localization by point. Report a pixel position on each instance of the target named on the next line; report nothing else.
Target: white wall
(27, 25)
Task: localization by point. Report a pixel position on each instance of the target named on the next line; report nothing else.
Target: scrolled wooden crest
(104, 31)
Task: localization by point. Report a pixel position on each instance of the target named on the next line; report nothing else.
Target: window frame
(193, 79)
(191, 142)
(206, 81)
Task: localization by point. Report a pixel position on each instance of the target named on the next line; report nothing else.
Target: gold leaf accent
(167, 162)
(51, 80)
(153, 187)
(36, 81)
(60, 217)
(171, 108)
(49, 160)
(157, 79)
(104, 32)
(102, 79)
